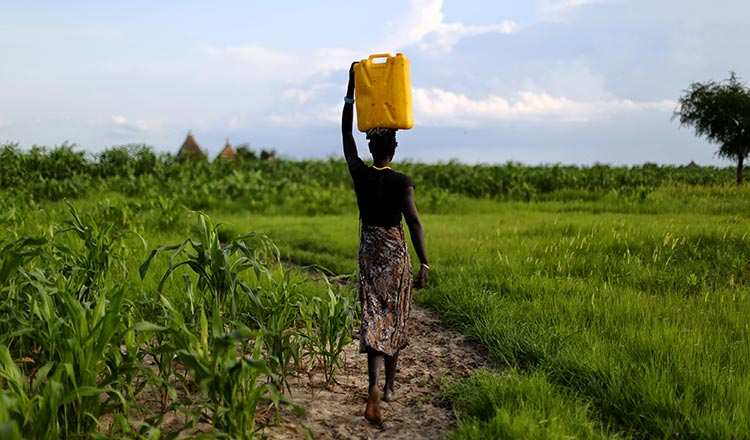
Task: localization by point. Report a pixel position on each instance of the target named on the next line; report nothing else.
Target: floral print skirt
(385, 282)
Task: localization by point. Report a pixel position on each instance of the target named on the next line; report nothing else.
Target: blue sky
(535, 81)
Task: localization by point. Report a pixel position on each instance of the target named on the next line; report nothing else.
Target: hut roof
(191, 148)
(228, 152)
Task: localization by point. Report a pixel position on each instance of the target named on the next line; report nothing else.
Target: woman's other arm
(417, 236)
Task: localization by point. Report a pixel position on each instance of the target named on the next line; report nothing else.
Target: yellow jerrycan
(383, 92)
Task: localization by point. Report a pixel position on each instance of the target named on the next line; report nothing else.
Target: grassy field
(612, 300)
(616, 318)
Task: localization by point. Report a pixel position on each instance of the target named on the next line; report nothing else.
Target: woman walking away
(385, 273)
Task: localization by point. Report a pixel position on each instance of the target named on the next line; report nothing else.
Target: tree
(721, 113)
(244, 152)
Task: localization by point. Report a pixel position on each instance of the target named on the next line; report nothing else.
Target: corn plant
(14, 316)
(230, 383)
(11, 376)
(220, 293)
(8, 426)
(274, 310)
(102, 250)
(120, 214)
(69, 384)
(267, 299)
(13, 254)
(62, 362)
(132, 375)
(217, 270)
(328, 321)
(168, 211)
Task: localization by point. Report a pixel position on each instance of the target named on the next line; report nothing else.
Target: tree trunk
(739, 170)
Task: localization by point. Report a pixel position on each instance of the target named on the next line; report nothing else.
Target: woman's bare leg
(374, 364)
(391, 363)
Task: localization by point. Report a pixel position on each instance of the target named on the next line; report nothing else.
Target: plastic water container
(382, 87)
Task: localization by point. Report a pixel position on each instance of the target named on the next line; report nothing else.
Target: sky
(572, 82)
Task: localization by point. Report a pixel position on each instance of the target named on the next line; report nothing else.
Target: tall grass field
(613, 301)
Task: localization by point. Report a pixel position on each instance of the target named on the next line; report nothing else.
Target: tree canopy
(720, 112)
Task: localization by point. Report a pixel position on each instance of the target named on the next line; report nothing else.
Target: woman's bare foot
(372, 412)
(390, 396)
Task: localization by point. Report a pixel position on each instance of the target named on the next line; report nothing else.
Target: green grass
(519, 406)
(633, 313)
(616, 313)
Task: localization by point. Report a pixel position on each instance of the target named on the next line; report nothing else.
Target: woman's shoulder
(403, 178)
(356, 164)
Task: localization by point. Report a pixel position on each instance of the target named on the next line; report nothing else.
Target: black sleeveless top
(380, 194)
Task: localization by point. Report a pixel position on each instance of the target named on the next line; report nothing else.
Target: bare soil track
(434, 356)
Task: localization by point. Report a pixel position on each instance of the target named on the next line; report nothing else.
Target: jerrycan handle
(379, 55)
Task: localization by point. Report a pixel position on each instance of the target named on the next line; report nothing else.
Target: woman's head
(382, 142)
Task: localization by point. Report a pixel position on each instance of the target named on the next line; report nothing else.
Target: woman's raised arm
(347, 117)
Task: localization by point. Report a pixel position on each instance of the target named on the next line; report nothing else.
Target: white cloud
(574, 79)
(263, 60)
(303, 95)
(57, 35)
(424, 25)
(559, 6)
(322, 116)
(448, 34)
(437, 106)
(238, 120)
(258, 62)
(299, 95)
(559, 10)
(134, 125)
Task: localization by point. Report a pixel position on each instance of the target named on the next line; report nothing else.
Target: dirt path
(435, 355)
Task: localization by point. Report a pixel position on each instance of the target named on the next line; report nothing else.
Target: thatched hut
(227, 153)
(190, 149)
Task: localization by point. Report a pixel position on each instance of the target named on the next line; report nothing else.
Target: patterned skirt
(385, 282)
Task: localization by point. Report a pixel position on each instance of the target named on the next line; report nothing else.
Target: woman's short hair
(382, 142)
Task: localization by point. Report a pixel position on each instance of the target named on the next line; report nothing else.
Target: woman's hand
(350, 86)
(422, 276)
(351, 74)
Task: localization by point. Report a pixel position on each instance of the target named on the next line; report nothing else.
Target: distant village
(191, 150)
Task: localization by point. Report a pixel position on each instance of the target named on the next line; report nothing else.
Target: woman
(385, 282)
